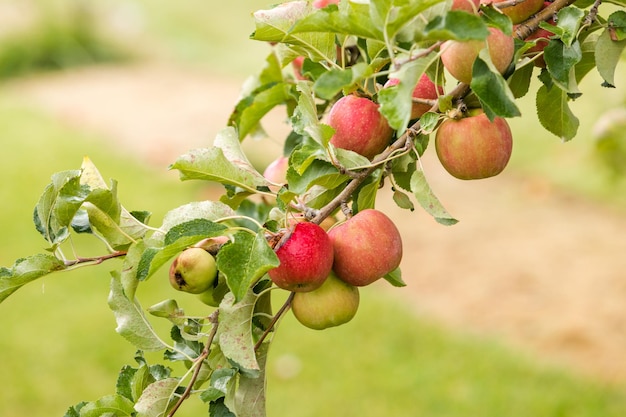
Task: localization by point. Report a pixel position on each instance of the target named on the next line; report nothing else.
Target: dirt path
(540, 269)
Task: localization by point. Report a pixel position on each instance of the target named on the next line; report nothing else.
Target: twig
(213, 318)
(277, 316)
(96, 259)
(524, 29)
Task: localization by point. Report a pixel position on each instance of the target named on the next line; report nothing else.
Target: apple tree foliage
(350, 47)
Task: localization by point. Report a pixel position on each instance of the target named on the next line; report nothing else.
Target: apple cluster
(324, 270)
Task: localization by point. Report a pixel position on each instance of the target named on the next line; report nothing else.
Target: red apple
(519, 12)
(276, 172)
(333, 304)
(458, 57)
(425, 90)
(359, 126)
(320, 4)
(470, 6)
(297, 67)
(306, 258)
(367, 246)
(473, 147)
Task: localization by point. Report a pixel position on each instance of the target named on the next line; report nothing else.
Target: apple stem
(275, 319)
(96, 260)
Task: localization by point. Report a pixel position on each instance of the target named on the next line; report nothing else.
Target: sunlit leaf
(132, 324)
(245, 260)
(235, 330)
(156, 397)
(110, 405)
(26, 270)
(427, 199)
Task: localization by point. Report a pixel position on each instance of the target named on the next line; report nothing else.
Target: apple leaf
(395, 278)
(353, 18)
(168, 309)
(213, 164)
(491, 89)
(402, 200)
(366, 193)
(560, 61)
(26, 270)
(132, 324)
(394, 15)
(396, 102)
(250, 398)
(58, 204)
(156, 397)
(304, 119)
(207, 210)
(331, 82)
(554, 113)
(235, 330)
(317, 173)
(457, 25)
(110, 405)
(245, 260)
(277, 25)
(568, 21)
(607, 55)
(519, 82)
(427, 199)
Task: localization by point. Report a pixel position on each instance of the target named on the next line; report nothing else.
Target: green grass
(59, 346)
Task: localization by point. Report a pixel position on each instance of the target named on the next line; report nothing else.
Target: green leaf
(560, 61)
(494, 93)
(427, 199)
(365, 196)
(251, 109)
(317, 173)
(353, 18)
(394, 15)
(249, 400)
(395, 278)
(132, 324)
(402, 169)
(330, 83)
(26, 270)
(568, 21)
(110, 406)
(245, 260)
(235, 331)
(168, 309)
(156, 398)
(607, 55)
(402, 200)
(617, 24)
(276, 25)
(519, 82)
(221, 163)
(222, 380)
(190, 212)
(554, 112)
(58, 204)
(305, 120)
(195, 228)
(456, 25)
(396, 102)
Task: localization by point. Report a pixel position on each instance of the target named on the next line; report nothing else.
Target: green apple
(473, 147)
(306, 258)
(216, 292)
(193, 271)
(366, 247)
(333, 304)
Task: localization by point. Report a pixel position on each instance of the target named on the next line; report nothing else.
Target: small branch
(276, 317)
(507, 3)
(529, 26)
(213, 318)
(592, 15)
(96, 259)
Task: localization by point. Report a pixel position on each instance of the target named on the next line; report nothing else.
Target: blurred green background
(58, 344)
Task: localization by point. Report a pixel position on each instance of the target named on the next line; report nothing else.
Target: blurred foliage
(53, 42)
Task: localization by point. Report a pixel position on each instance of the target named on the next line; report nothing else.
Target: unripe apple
(425, 89)
(216, 292)
(333, 304)
(306, 258)
(359, 126)
(193, 271)
(276, 171)
(519, 12)
(470, 6)
(320, 4)
(458, 57)
(367, 246)
(474, 147)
